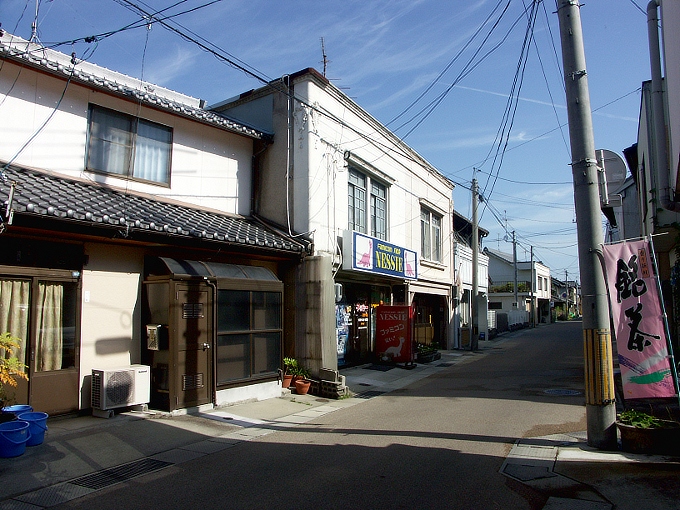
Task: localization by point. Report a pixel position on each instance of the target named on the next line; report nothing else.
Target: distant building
(533, 287)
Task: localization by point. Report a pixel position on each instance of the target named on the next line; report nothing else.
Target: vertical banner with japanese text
(638, 321)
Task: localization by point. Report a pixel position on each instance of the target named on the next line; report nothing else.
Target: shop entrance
(431, 319)
(355, 322)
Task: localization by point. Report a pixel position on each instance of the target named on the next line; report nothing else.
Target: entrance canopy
(227, 275)
(183, 267)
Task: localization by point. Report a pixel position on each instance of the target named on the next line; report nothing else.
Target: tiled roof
(48, 196)
(21, 51)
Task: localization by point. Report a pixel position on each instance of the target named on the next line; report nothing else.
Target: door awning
(163, 266)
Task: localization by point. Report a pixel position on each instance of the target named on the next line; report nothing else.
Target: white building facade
(378, 214)
(533, 290)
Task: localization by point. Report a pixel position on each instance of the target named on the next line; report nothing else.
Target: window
(430, 235)
(378, 210)
(249, 334)
(52, 307)
(357, 191)
(357, 201)
(125, 145)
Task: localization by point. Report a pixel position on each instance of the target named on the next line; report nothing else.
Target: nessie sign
(376, 256)
(393, 339)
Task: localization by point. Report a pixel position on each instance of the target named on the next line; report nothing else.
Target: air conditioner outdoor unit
(121, 387)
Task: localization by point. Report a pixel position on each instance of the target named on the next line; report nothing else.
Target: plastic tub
(13, 438)
(37, 426)
(17, 409)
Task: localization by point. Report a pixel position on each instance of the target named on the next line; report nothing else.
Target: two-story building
(377, 213)
(532, 292)
(463, 312)
(125, 205)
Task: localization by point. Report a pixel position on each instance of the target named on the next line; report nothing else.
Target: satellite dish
(612, 174)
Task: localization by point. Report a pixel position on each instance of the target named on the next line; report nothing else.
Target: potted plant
(300, 375)
(290, 366)
(644, 433)
(11, 369)
(427, 353)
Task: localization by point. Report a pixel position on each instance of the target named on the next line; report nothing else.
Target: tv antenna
(34, 25)
(325, 57)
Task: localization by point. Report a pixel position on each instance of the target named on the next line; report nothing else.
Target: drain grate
(118, 474)
(444, 365)
(369, 394)
(562, 392)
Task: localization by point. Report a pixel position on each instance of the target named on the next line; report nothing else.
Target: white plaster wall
(110, 325)
(210, 167)
(464, 265)
(320, 144)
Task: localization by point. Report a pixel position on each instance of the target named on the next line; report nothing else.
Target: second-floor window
(358, 202)
(430, 235)
(378, 210)
(129, 146)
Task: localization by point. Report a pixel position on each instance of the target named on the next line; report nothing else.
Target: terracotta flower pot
(287, 380)
(302, 386)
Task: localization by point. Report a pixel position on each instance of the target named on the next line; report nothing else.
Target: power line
(455, 58)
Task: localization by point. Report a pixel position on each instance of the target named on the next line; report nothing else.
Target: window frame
(431, 235)
(371, 208)
(252, 334)
(129, 166)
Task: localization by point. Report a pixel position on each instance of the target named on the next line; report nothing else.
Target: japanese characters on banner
(638, 321)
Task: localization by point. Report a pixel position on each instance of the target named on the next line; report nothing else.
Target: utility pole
(514, 261)
(475, 262)
(566, 285)
(599, 372)
(533, 279)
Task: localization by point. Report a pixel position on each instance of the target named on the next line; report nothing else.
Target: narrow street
(438, 443)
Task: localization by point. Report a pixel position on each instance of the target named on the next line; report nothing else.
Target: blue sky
(437, 67)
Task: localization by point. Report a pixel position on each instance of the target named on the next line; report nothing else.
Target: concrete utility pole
(475, 262)
(566, 286)
(531, 287)
(599, 372)
(514, 262)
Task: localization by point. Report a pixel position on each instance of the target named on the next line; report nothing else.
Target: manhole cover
(562, 392)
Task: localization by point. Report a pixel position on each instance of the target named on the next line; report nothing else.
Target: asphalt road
(438, 443)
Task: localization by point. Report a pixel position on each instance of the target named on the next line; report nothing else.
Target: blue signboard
(379, 257)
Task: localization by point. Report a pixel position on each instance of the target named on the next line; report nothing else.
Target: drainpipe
(662, 171)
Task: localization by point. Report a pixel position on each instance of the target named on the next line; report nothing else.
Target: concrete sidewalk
(84, 454)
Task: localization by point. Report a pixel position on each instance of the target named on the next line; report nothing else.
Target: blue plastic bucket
(37, 427)
(17, 409)
(13, 438)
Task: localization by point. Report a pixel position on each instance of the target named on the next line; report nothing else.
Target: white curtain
(152, 152)
(14, 312)
(110, 142)
(50, 335)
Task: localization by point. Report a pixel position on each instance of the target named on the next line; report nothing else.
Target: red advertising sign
(393, 338)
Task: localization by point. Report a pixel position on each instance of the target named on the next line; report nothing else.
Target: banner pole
(669, 344)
